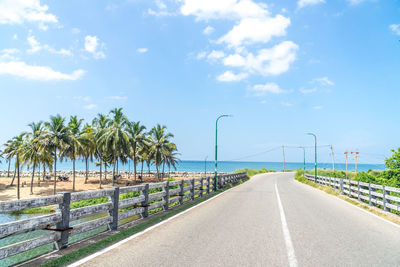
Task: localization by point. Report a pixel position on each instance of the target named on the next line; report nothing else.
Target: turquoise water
(223, 166)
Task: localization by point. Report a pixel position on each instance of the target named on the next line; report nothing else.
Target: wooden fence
(120, 203)
(381, 196)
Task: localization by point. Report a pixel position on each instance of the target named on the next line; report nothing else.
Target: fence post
(181, 184)
(358, 193)
(384, 198)
(208, 185)
(64, 209)
(349, 188)
(369, 194)
(145, 202)
(114, 211)
(341, 186)
(201, 187)
(192, 189)
(166, 197)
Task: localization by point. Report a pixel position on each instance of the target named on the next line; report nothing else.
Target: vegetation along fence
(108, 207)
(381, 196)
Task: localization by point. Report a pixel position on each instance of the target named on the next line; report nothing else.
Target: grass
(299, 176)
(90, 249)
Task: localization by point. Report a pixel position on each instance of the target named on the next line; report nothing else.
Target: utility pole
(283, 150)
(346, 162)
(333, 158)
(356, 155)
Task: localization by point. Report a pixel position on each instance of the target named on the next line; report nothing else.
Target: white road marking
(286, 235)
(88, 258)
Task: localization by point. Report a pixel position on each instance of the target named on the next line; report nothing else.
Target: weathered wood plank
(156, 195)
(14, 205)
(130, 201)
(30, 224)
(91, 194)
(157, 185)
(129, 189)
(156, 205)
(130, 213)
(394, 198)
(376, 186)
(90, 210)
(377, 194)
(393, 206)
(172, 183)
(364, 191)
(90, 225)
(174, 191)
(363, 184)
(392, 189)
(173, 199)
(14, 249)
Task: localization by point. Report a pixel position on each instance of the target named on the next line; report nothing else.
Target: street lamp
(216, 150)
(315, 164)
(304, 157)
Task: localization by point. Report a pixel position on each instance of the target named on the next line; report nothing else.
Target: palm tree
(100, 124)
(74, 144)
(88, 146)
(136, 139)
(114, 138)
(14, 147)
(160, 143)
(56, 138)
(31, 154)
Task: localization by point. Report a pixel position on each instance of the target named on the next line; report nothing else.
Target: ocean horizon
(223, 166)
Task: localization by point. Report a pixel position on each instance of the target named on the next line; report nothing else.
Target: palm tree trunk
(162, 174)
(44, 171)
(117, 166)
(105, 170)
(100, 175)
(33, 175)
(141, 173)
(9, 165)
(86, 174)
(15, 173)
(113, 173)
(134, 163)
(19, 180)
(39, 175)
(73, 175)
(55, 171)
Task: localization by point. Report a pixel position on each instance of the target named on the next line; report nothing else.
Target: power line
(257, 154)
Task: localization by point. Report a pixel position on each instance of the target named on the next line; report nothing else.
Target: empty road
(271, 220)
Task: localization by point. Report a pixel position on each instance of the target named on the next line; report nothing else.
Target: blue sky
(282, 68)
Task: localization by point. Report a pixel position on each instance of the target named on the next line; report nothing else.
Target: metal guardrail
(138, 201)
(381, 196)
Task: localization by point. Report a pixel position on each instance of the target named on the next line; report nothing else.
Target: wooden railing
(120, 204)
(381, 196)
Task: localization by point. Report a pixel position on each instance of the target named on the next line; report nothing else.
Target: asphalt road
(272, 220)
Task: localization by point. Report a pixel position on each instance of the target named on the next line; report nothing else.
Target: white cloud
(92, 46)
(229, 76)
(117, 97)
(304, 3)
(355, 2)
(256, 30)
(20, 11)
(42, 73)
(208, 30)
(273, 61)
(286, 104)
(9, 54)
(35, 47)
(324, 81)
(142, 50)
(308, 91)
(15, 37)
(216, 55)
(201, 55)
(318, 107)
(395, 28)
(263, 89)
(83, 98)
(226, 9)
(90, 106)
(160, 4)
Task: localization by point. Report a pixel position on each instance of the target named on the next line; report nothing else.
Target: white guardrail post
(63, 226)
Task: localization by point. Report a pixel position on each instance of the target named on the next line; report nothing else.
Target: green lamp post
(315, 164)
(216, 150)
(304, 157)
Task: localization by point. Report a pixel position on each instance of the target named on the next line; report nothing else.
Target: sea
(223, 166)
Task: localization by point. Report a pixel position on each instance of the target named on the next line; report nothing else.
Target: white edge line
(94, 255)
(354, 206)
(286, 234)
